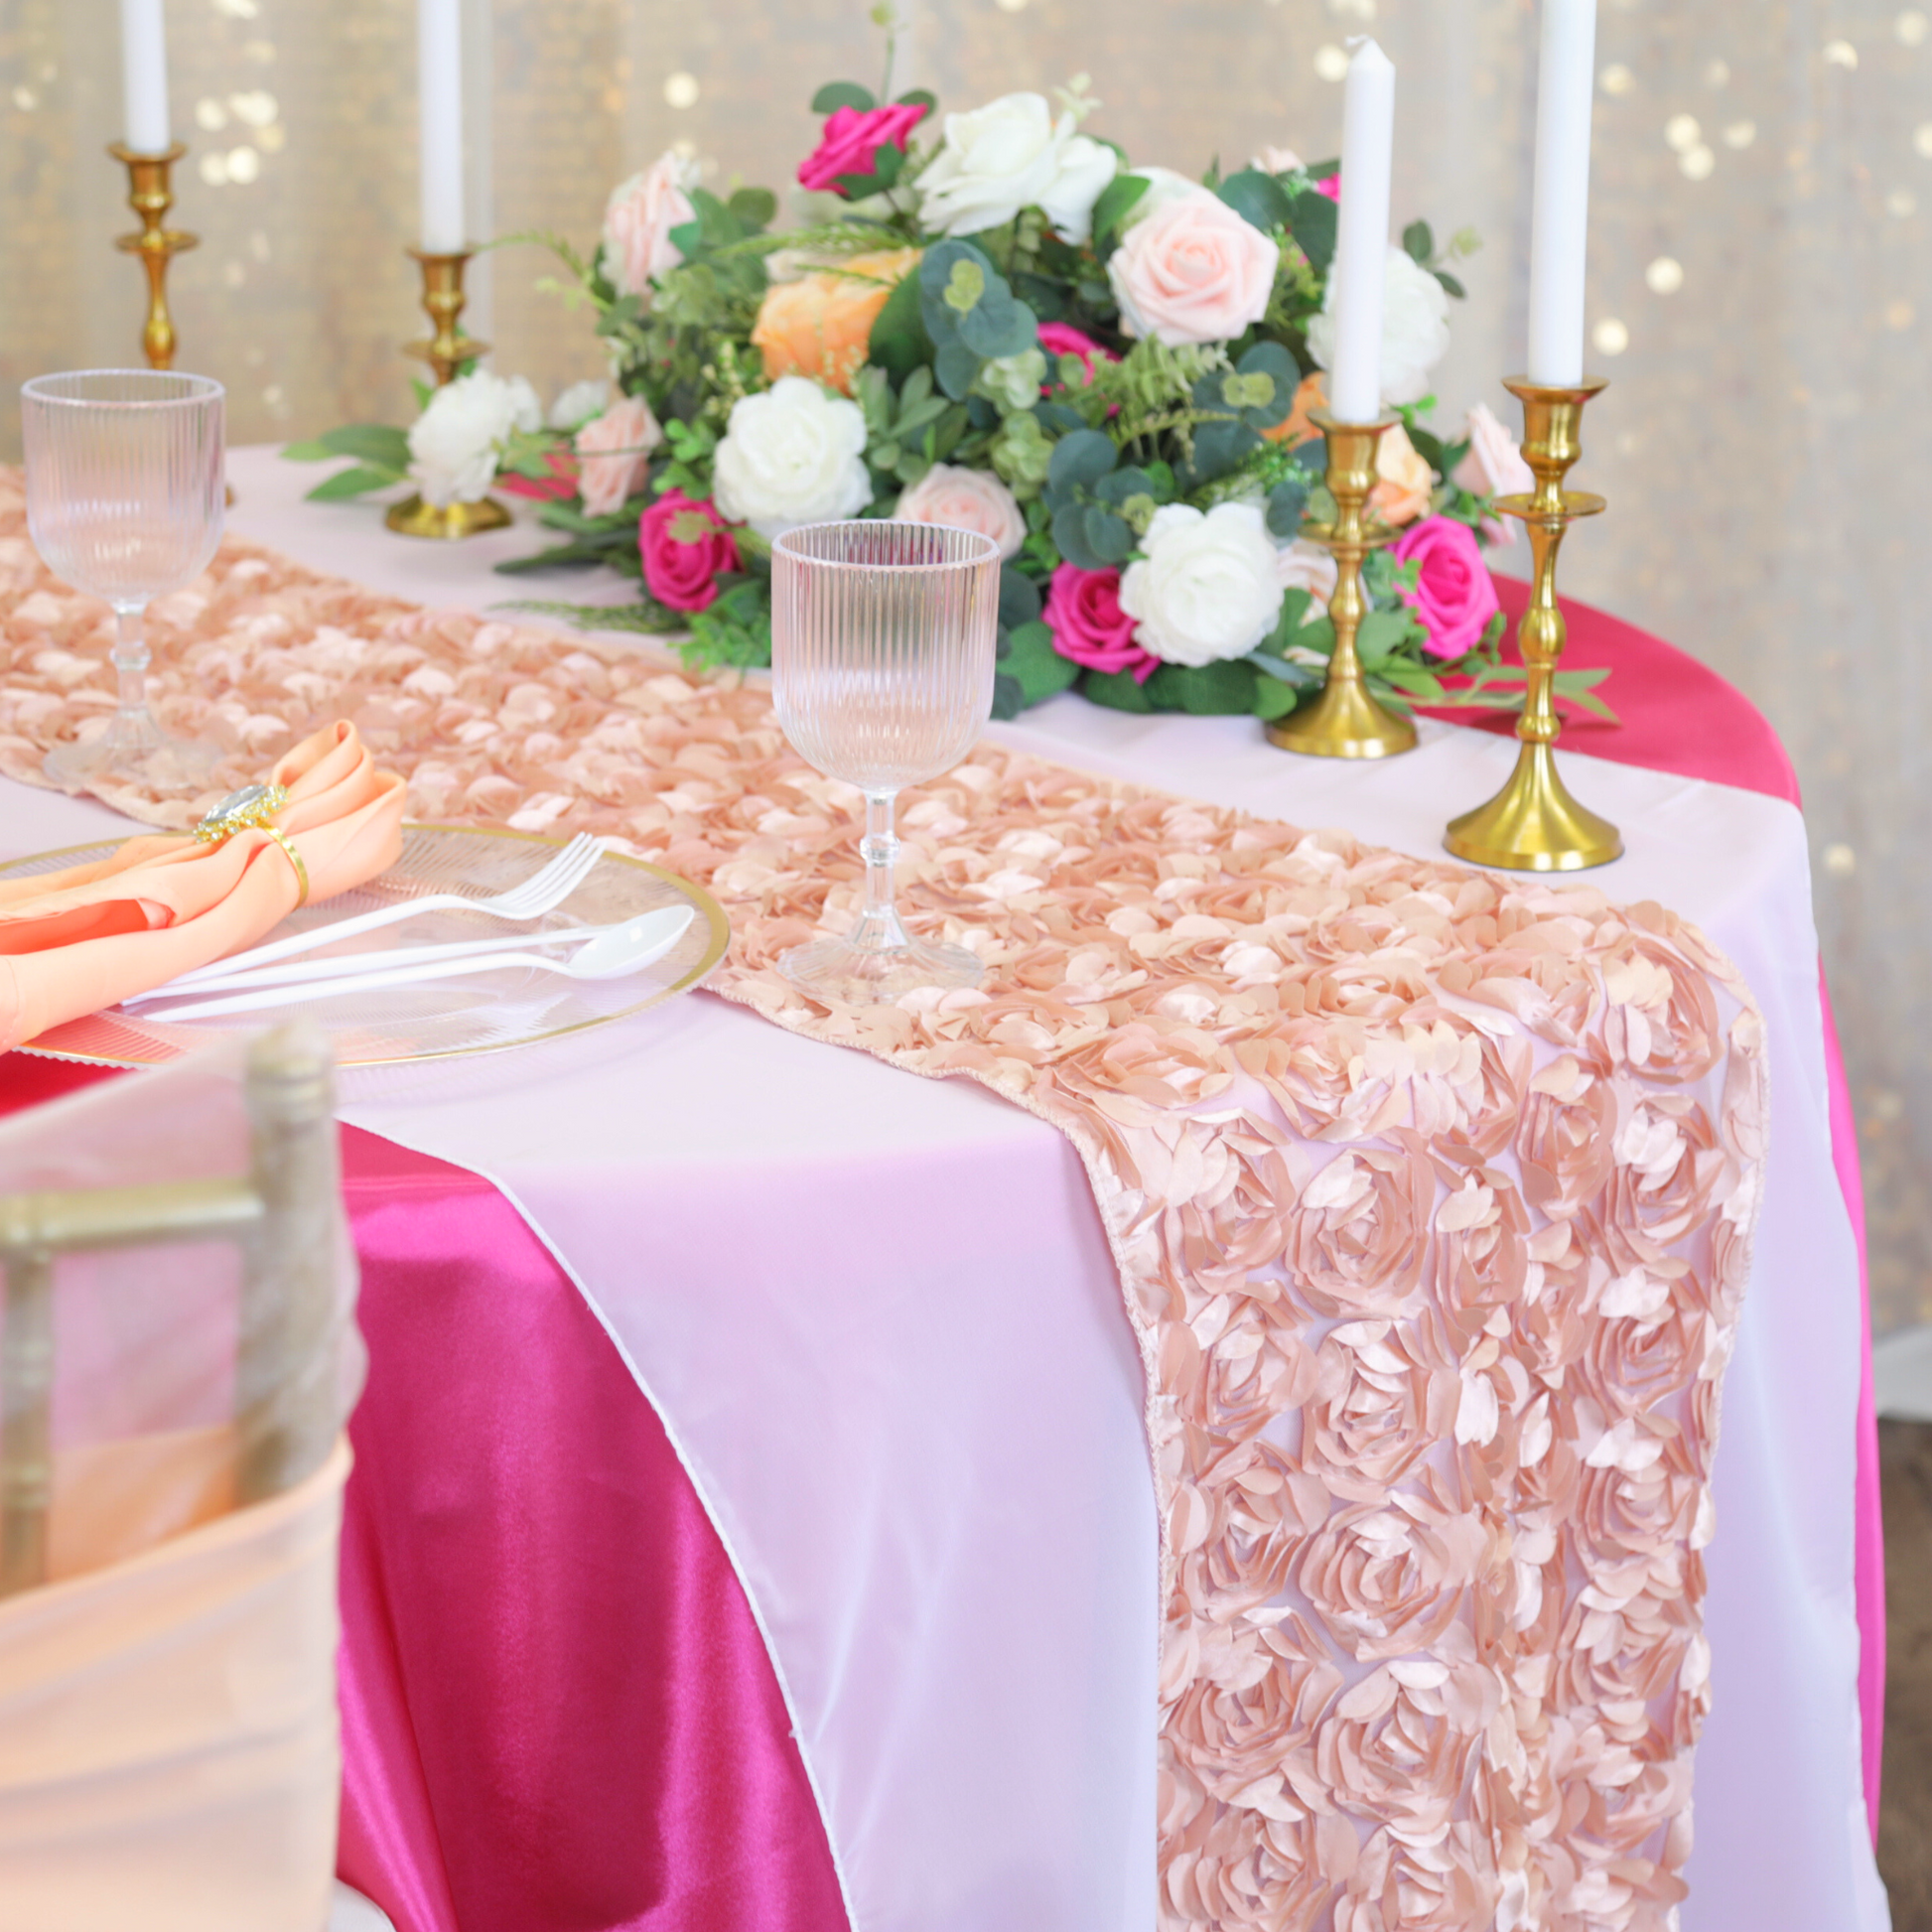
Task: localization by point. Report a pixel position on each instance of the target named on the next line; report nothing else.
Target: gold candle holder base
(1345, 721)
(151, 194)
(448, 348)
(416, 518)
(1533, 824)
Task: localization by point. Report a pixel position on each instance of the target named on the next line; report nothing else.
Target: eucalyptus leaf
(1419, 243)
(1081, 460)
(956, 365)
(346, 483)
(1108, 537)
(1116, 690)
(1382, 632)
(898, 343)
(1018, 597)
(754, 208)
(1286, 503)
(1273, 699)
(1312, 222)
(1009, 695)
(380, 445)
(842, 93)
(1257, 197)
(1041, 670)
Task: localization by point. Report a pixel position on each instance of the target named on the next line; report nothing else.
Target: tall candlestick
(1559, 224)
(144, 77)
(1362, 247)
(439, 84)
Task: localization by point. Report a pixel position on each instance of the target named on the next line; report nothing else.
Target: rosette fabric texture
(74, 941)
(1432, 1195)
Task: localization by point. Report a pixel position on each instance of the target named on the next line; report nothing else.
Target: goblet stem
(880, 929)
(131, 661)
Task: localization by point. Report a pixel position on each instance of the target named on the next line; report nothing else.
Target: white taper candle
(1559, 224)
(144, 78)
(439, 88)
(1362, 247)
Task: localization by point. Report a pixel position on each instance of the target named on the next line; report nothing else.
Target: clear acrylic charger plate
(483, 1012)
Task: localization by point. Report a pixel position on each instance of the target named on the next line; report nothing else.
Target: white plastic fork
(543, 891)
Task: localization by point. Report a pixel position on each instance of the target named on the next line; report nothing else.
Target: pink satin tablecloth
(558, 1706)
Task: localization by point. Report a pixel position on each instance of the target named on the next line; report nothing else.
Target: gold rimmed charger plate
(483, 1012)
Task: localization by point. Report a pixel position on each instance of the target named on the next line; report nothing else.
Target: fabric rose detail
(613, 453)
(456, 442)
(1083, 612)
(1388, 1578)
(1385, 1395)
(1192, 271)
(1455, 594)
(1208, 587)
(791, 456)
(1414, 328)
(820, 326)
(1010, 154)
(1359, 1232)
(1406, 487)
(1494, 467)
(638, 219)
(685, 549)
(852, 139)
(966, 499)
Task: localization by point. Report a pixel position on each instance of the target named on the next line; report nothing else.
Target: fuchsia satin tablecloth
(558, 1709)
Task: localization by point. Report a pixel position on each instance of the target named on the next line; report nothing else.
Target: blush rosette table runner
(1431, 1195)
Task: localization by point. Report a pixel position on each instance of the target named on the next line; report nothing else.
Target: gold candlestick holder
(151, 194)
(445, 350)
(1346, 721)
(1533, 824)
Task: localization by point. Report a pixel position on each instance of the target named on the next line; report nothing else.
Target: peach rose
(1408, 486)
(638, 219)
(820, 324)
(1192, 271)
(1297, 430)
(613, 459)
(966, 499)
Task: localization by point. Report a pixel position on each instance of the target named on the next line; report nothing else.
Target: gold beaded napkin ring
(253, 808)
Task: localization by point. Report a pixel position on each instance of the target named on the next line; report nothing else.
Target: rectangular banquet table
(880, 1322)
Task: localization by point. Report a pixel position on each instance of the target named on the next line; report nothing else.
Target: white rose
(457, 441)
(576, 405)
(791, 456)
(1009, 155)
(1164, 186)
(1208, 587)
(1415, 329)
(966, 499)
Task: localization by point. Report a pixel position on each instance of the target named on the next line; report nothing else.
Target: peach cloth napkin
(170, 1752)
(74, 941)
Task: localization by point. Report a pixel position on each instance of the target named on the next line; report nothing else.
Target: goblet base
(837, 972)
(134, 749)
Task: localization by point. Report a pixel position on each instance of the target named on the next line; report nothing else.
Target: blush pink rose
(612, 452)
(686, 547)
(965, 499)
(638, 219)
(852, 140)
(1089, 627)
(1060, 338)
(1454, 596)
(1194, 271)
(1494, 467)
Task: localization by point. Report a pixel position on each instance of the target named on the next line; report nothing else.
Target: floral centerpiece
(998, 322)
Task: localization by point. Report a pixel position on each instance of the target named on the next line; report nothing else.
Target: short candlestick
(1345, 721)
(445, 350)
(1533, 824)
(151, 194)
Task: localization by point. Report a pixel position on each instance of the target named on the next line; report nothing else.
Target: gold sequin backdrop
(1761, 294)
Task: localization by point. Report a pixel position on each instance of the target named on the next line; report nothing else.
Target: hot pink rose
(1454, 596)
(1192, 271)
(852, 140)
(613, 454)
(559, 486)
(687, 548)
(1060, 338)
(1331, 185)
(1089, 627)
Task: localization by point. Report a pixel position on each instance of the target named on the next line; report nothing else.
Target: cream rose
(1192, 271)
(1009, 155)
(611, 454)
(1208, 587)
(638, 219)
(1414, 328)
(576, 405)
(966, 499)
(791, 456)
(1494, 467)
(457, 441)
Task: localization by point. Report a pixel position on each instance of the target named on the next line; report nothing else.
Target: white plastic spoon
(614, 953)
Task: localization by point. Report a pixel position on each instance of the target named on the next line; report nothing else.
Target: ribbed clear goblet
(883, 640)
(125, 501)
